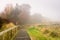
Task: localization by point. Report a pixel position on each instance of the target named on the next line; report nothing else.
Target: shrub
(46, 31)
(54, 34)
(2, 21)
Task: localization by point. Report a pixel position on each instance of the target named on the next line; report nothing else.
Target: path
(22, 35)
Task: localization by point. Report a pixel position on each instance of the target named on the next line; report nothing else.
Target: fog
(47, 8)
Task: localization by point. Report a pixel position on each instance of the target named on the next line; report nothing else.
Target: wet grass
(37, 34)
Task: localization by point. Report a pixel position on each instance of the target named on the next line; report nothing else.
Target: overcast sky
(47, 8)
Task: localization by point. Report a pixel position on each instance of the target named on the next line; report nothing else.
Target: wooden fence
(9, 33)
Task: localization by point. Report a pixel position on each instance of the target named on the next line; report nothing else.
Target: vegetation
(19, 15)
(11, 17)
(44, 33)
(54, 34)
(5, 24)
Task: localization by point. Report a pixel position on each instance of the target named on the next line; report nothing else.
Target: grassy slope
(38, 35)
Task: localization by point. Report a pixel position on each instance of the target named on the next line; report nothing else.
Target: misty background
(34, 19)
(46, 8)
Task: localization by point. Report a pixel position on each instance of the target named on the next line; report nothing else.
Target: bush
(46, 31)
(54, 34)
(3, 21)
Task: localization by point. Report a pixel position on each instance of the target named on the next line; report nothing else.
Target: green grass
(38, 35)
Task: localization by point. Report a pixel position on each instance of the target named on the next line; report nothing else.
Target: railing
(9, 33)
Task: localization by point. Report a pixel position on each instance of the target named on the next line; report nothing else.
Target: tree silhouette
(20, 14)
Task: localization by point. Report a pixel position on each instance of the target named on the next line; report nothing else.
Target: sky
(47, 8)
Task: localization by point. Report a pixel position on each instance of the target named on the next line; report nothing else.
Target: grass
(6, 26)
(37, 34)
